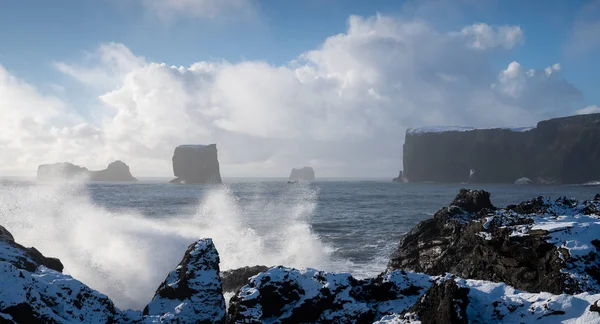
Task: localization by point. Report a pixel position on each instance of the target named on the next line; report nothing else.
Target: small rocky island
(561, 150)
(536, 261)
(196, 164)
(302, 174)
(115, 172)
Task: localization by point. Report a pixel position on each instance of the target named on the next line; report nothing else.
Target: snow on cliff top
(443, 129)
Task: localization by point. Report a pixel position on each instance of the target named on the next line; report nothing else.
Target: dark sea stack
(235, 279)
(193, 290)
(60, 171)
(116, 171)
(522, 245)
(561, 150)
(196, 164)
(305, 173)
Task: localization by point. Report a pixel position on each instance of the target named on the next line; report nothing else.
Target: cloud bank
(342, 108)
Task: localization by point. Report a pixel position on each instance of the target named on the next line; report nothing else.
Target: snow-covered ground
(443, 129)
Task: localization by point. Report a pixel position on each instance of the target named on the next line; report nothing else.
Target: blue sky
(36, 33)
(261, 38)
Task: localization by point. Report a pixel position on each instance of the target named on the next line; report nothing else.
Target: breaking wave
(126, 255)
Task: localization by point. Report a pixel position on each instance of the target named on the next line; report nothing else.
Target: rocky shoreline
(538, 261)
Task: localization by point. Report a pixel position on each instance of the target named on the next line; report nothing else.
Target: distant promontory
(115, 172)
(196, 164)
(561, 150)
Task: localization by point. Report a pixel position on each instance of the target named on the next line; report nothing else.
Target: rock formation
(235, 279)
(192, 293)
(60, 171)
(196, 164)
(561, 150)
(538, 245)
(305, 173)
(399, 178)
(116, 171)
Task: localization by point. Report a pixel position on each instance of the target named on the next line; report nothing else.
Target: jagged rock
(235, 279)
(538, 245)
(305, 173)
(33, 290)
(196, 164)
(560, 150)
(288, 295)
(192, 293)
(28, 259)
(443, 303)
(116, 171)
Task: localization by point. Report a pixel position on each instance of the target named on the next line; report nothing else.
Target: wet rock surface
(235, 279)
(523, 245)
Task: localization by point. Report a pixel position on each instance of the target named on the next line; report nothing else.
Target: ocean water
(122, 239)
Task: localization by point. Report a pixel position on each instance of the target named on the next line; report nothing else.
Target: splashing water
(126, 255)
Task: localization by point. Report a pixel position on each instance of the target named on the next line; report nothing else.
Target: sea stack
(196, 164)
(305, 173)
(115, 172)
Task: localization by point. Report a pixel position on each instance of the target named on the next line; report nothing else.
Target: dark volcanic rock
(561, 150)
(192, 291)
(235, 279)
(305, 173)
(473, 240)
(196, 164)
(24, 258)
(443, 303)
(311, 296)
(33, 292)
(116, 171)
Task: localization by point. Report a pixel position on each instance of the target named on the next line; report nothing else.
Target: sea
(123, 238)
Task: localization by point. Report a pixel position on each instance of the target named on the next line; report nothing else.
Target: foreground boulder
(196, 164)
(192, 293)
(538, 245)
(305, 173)
(116, 171)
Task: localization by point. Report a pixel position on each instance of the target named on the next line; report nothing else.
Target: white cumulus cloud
(342, 107)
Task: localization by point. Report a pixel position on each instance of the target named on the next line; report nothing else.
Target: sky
(333, 84)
